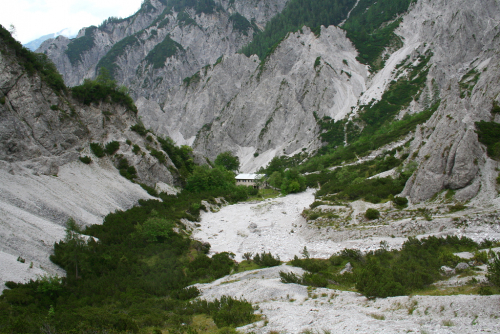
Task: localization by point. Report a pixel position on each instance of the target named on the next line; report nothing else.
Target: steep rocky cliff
(260, 111)
(464, 40)
(43, 134)
(164, 42)
(261, 108)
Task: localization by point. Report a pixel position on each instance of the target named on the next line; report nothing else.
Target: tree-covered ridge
(81, 45)
(297, 13)
(101, 89)
(109, 60)
(241, 23)
(200, 6)
(365, 27)
(32, 62)
(166, 49)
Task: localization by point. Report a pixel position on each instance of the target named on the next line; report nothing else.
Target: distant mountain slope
(335, 95)
(436, 63)
(35, 44)
(164, 42)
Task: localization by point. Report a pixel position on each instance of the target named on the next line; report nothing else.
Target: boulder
(462, 266)
(447, 271)
(347, 268)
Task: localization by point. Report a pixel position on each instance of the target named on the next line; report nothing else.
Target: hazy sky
(35, 18)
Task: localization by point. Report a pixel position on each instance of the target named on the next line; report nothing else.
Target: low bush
(97, 149)
(150, 190)
(456, 207)
(266, 260)
(400, 202)
(86, 160)
(158, 155)
(290, 278)
(111, 147)
(127, 171)
(372, 214)
(226, 311)
(488, 133)
(139, 128)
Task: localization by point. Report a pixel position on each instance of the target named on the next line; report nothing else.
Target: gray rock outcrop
(260, 111)
(462, 266)
(43, 134)
(128, 46)
(346, 269)
(463, 39)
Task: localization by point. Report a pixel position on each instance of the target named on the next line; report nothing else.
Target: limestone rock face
(261, 111)
(264, 110)
(124, 46)
(463, 38)
(42, 181)
(101, 40)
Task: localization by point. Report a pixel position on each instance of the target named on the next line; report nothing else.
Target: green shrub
(252, 191)
(139, 128)
(136, 149)
(97, 149)
(226, 311)
(495, 108)
(456, 207)
(317, 62)
(228, 161)
(485, 291)
(488, 133)
(192, 79)
(101, 90)
(2, 100)
(266, 260)
(290, 278)
(111, 147)
(372, 214)
(401, 201)
(316, 204)
(86, 160)
(127, 171)
(186, 293)
(81, 45)
(155, 229)
(205, 179)
(33, 62)
(150, 190)
(481, 257)
(158, 155)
